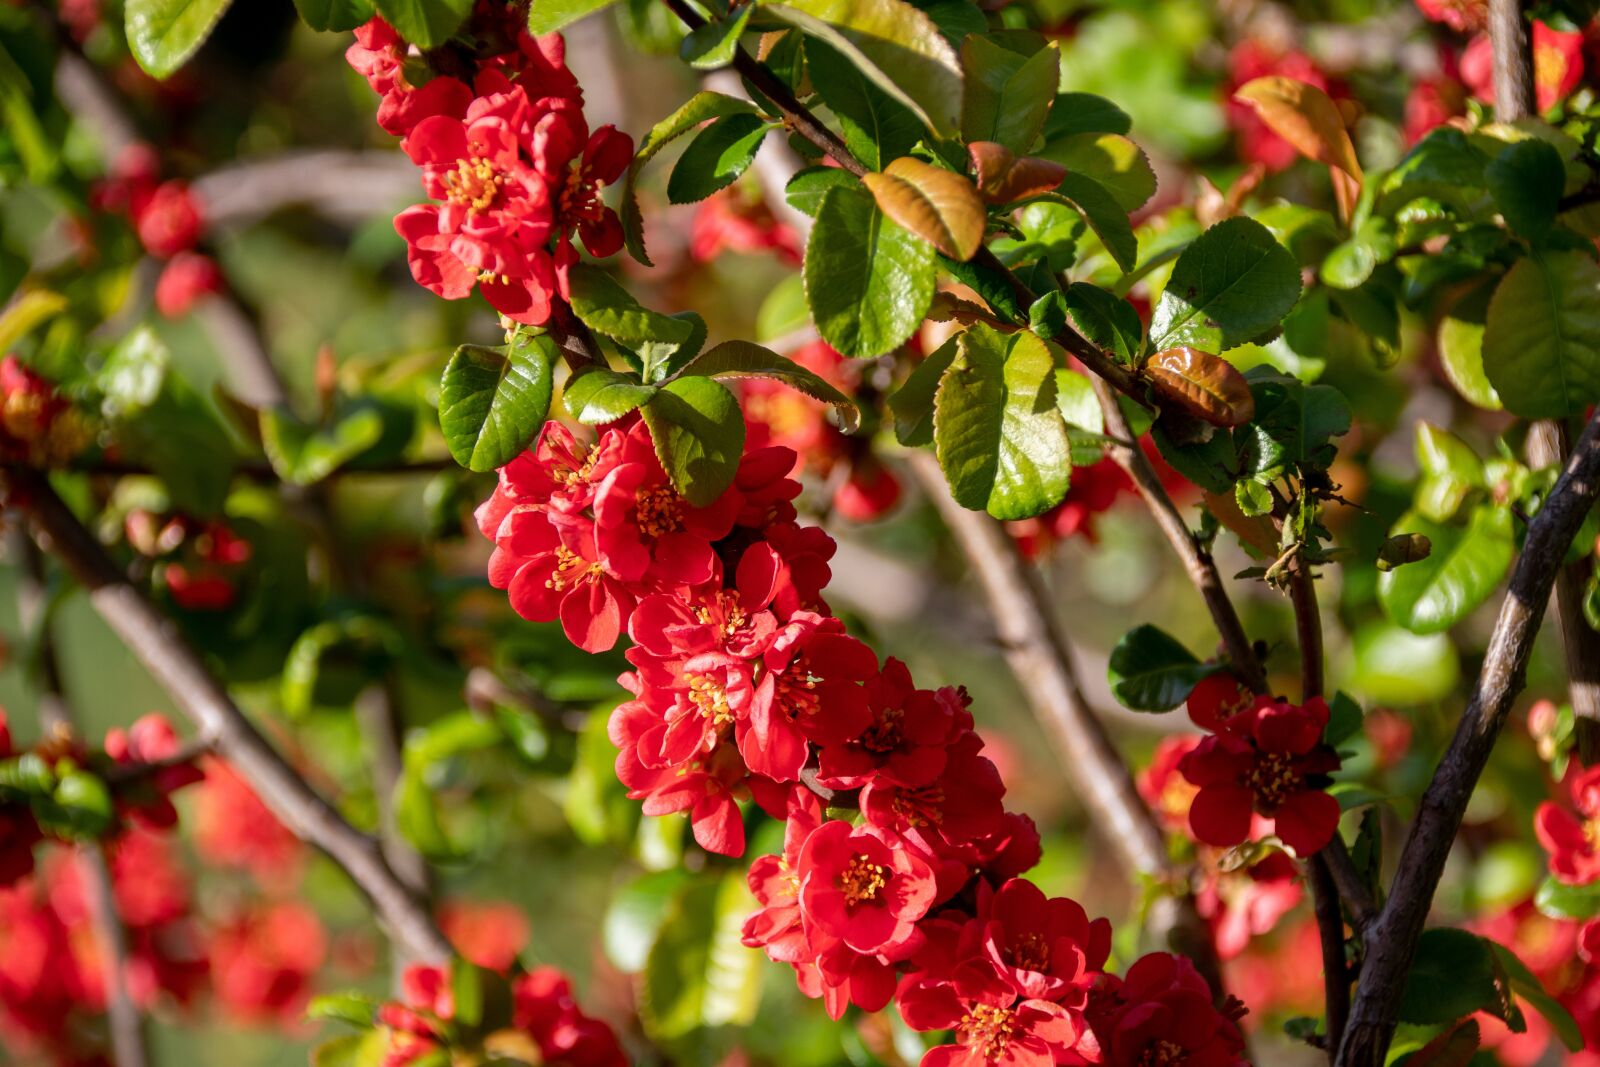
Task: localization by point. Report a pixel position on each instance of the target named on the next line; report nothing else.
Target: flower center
(1030, 953)
(571, 570)
(920, 807)
(659, 511)
(1162, 1053)
(580, 199)
(707, 694)
(885, 735)
(724, 611)
(1272, 779)
(988, 1030)
(1591, 834)
(1549, 67)
(474, 184)
(862, 879)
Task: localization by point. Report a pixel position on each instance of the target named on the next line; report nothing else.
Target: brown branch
(1514, 96)
(1038, 655)
(1391, 940)
(1352, 888)
(1547, 446)
(159, 645)
(1197, 562)
(1330, 931)
(1308, 627)
(123, 1018)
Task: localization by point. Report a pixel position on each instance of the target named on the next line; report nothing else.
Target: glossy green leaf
(548, 16)
(1075, 113)
(492, 403)
(662, 342)
(1526, 180)
(163, 34)
(1086, 420)
(1393, 666)
(712, 45)
(339, 16)
(698, 431)
(999, 436)
(700, 108)
(896, 45)
(1107, 320)
(877, 128)
(1541, 342)
(1450, 471)
(869, 281)
(598, 395)
(1453, 975)
(1109, 160)
(912, 403)
(1232, 284)
(425, 23)
(1562, 901)
(1461, 349)
(636, 914)
(1108, 219)
(698, 973)
(741, 359)
(1149, 670)
(1528, 987)
(1465, 566)
(1007, 95)
(808, 187)
(357, 1009)
(716, 157)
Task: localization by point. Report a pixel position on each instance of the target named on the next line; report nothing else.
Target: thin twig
(1197, 562)
(124, 1020)
(1040, 658)
(1391, 940)
(157, 643)
(1330, 930)
(1514, 96)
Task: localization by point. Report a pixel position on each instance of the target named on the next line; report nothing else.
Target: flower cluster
(1571, 835)
(168, 219)
(54, 791)
(1564, 955)
(745, 687)
(1262, 766)
(546, 1024)
(201, 563)
(37, 424)
(737, 219)
(509, 160)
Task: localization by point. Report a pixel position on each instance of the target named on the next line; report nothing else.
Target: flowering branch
(1391, 939)
(156, 642)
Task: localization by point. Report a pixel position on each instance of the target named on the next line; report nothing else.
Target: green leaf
(548, 16)
(339, 16)
(1104, 215)
(1232, 284)
(1344, 719)
(1352, 261)
(1461, 349)
(869, 281)
(1299, 420)
(1562, 901)
(1525, 985)
(598, 395)
(1074, 113)
(368, 643)
(699, 436)
(1086, 420)
(716, 157)
(912, 403)
(701, 107)
(1109, 160)
(1007, 95)
(417, 810)
(1450, 471)
(1541, 343)
(425, 23)
(712, 45)
(741, 359)
(1211, 463)
(492, 403)
(1453, 975)
(1393, 666)
(1444, 165)
(81, 807)
(595, 803)
(302, 454)
(876, 127)
(808, 187)
(663, 342)
(163, 34)
(988, 282)
(893, 43)
(1107, 320)
(356, 1009)
(1150, 670)
(698, 973)
(1466, 564)
(999, 436)
(635, 917)
(1526, 180)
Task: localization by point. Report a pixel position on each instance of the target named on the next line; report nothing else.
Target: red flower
(1164, 787)
(1217, 700)
(1557, 65)
(948, 818)
(263, 960)
(576, 181)
(862, 887)
(235, 829)
(152, 739)
(379, 55)
(737, 219)
(495, 217)
(1241, 905)
(543, 1007)
(1270, 761)
(489, 934)
(187, 278)
(1160, 1015)
(1573, 837)
(168, 219)
(1045, 946)
(549, 574)
(778, 927)
(995, 1024)
(908, 739)
(1463, 16)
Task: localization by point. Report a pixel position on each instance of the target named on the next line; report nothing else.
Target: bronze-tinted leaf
(1208, 387)
(1004, 178)
(937, 205)
(1307, 118)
